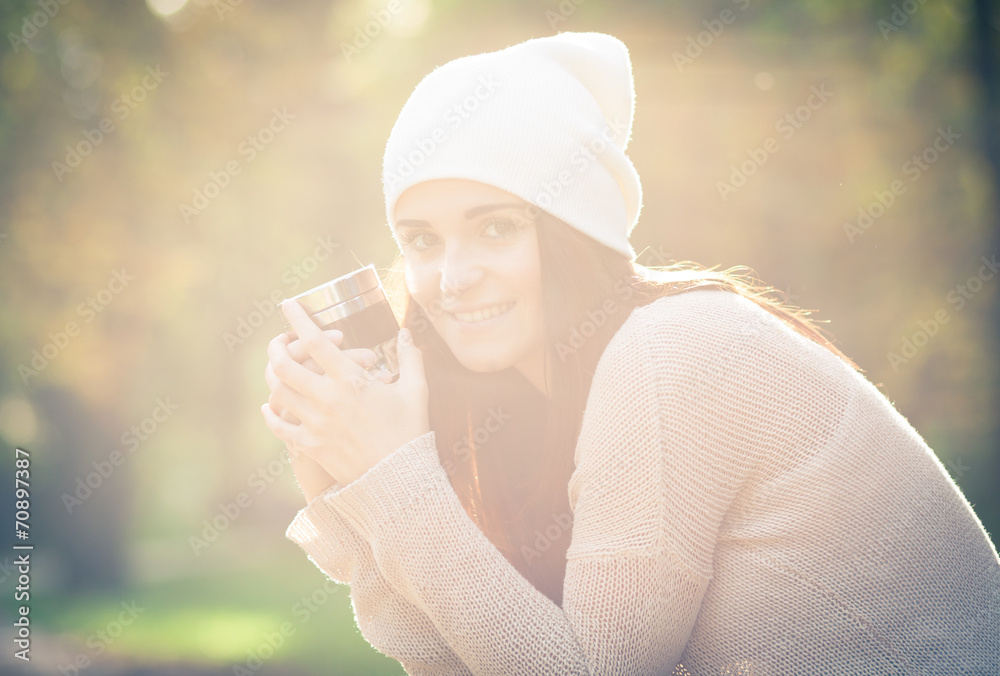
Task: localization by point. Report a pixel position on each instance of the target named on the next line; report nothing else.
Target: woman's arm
(336, 549)
(627, 613)
(387, 620)
(633, 586)
(695, 398)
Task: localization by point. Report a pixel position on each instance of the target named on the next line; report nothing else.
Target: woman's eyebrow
(411, 224)
(471, 213)
(486, 208)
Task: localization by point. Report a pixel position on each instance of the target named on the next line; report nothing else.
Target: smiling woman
(701, 483)
(479, 243)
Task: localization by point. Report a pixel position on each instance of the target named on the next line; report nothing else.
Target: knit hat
(547, 120)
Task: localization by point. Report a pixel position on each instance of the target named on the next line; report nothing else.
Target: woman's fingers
(289, 371)
(272, 402)
(298, 351)
(273, 384)
(363, 357)
(285, 401)
(323, 351)
(285, 431)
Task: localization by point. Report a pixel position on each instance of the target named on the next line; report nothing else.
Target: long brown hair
(511, 474)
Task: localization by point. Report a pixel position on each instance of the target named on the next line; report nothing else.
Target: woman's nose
(459, 273)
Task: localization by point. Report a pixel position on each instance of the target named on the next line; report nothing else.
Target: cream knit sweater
(744, 502)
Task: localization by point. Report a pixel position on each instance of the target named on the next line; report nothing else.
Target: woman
(587, 466)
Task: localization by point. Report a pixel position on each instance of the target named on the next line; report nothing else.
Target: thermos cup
(356, 305)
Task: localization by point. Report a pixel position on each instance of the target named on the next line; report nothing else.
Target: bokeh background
(135, 314)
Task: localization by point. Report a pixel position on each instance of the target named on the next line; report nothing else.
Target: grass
(220, 620)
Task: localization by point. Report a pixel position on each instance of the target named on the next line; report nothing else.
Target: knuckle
(275, 344)
(313, 342)
(329, 407)
(281, 366)
(362, 356)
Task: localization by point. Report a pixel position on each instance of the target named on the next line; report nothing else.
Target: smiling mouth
(482, 315)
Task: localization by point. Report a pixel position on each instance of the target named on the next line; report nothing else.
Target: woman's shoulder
(694, 322)
(718, 334)
(712, 308)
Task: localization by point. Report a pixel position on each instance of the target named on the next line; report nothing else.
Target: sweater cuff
(373, 502)
(323, 536)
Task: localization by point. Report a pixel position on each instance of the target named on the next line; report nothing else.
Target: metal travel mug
(356, 305)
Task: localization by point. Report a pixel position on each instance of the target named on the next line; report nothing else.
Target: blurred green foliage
(186, 326)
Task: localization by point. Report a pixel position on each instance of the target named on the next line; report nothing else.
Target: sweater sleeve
(386, 619)
(632, 589)
(688, 394)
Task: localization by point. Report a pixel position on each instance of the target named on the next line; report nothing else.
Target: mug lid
(338, 290)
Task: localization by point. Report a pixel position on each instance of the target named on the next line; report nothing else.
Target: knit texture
(743, 501)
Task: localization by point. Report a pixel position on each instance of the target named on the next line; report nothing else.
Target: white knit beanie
(547, 120)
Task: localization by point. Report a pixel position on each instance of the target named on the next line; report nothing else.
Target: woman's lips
(482, 320)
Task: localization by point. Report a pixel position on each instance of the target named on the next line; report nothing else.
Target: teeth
(482, 315)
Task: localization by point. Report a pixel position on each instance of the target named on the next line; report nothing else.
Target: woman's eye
(500, 227)
(414, 241)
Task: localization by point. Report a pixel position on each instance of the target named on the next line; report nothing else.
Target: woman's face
(472, 264)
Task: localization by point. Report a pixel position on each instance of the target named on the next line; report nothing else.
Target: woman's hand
(313, 480)
(350, 418)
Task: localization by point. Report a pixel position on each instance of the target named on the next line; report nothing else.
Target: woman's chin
(484, 360)
(479, 365)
